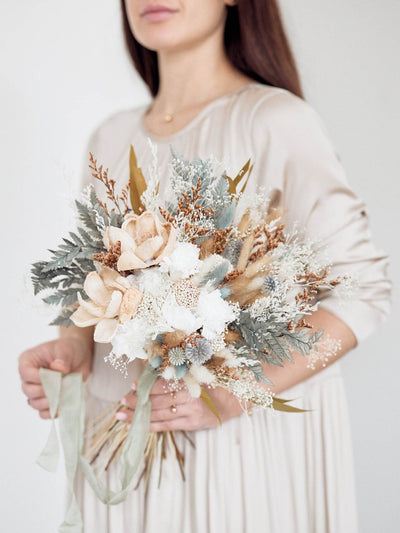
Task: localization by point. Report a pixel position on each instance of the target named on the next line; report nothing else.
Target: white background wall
(63, 69)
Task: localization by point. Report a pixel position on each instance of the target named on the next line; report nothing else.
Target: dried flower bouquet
(205, 287)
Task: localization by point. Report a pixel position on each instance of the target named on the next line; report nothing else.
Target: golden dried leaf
(137, 183)
(210, 404)
(245, 251)
(282, 405)
(233, 183)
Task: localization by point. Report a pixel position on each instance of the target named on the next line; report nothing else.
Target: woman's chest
(224, 137)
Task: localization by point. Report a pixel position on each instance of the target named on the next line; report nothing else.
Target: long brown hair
(255, 42)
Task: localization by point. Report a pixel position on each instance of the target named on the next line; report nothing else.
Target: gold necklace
(169, 117)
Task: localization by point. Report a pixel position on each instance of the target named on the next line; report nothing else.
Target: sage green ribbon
(66, 393)
(50, 455)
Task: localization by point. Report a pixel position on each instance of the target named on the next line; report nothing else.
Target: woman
(225, 84)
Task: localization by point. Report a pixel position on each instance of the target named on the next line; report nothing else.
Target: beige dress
(272, 472)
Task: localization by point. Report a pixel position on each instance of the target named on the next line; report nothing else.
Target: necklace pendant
(168, 118)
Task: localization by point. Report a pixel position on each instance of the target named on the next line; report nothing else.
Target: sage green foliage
(232, 251)
(216, 275)
(214, 189)
(64, 274)
(259, 374)
(275, 338)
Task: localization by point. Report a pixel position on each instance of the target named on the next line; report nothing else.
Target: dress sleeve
(299, 163)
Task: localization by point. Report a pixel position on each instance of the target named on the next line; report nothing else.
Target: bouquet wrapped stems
(106, 436)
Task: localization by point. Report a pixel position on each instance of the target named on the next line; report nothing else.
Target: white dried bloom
(178, 317)
(256, 203)
(218, 343)
(192, 385)
(176, 356)
(118, 362)
(150, 197)
(202, 374)
(85, 195)
(215, 313)
(247, 389)
(130, 339)
(182, 262)
(169, 373)
(186, 294)
(152, 281)
(327, 348)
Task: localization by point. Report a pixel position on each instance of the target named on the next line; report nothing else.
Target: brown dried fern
(120, 201)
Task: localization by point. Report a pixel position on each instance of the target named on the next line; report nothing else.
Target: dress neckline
(195, 120)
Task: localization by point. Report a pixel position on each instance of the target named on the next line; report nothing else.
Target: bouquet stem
(106, 437)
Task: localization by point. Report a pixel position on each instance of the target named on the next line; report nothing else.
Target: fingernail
(124, 402)
(133, 386)
(121, 416)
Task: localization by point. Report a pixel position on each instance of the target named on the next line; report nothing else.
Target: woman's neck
(194, 77)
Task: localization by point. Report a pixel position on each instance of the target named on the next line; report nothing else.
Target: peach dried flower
(112, 299)
(145, 241)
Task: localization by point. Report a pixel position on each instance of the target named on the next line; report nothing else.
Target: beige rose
(112, 299)
(144, 239)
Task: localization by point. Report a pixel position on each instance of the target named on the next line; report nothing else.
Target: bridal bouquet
(204, 286)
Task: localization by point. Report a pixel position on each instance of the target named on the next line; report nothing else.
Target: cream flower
(179, 317)
(112, 299)
(183, 261)
(144, 239)
(215, 313)
(131, 339)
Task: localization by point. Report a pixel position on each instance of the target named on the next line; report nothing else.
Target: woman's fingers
(160, 387)
(37, 398)
(32, 391)
(125, 415)
(165, 420)
(157, 415)
(28, 371)
(41, 404)
(164, 401)
(130, 400)
(161, 415)
(181, 423)
(159, 401)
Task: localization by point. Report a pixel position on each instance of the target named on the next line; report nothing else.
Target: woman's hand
(172, 411)
(67, 354)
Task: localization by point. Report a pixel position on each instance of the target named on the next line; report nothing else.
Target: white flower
(152, 281)
(130, 339)
(218, 343)
(179, 317)
(183, 261)
(202, 375)
(215, 313)
(169, 373)
(192, 385)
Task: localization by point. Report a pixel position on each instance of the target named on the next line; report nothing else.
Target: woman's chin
(159, 39)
